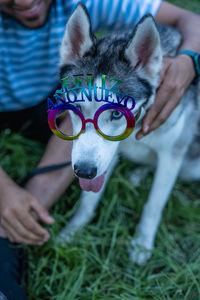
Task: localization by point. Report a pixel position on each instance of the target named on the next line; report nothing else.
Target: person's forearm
(5, 183)
(48, 187)
(189, 26)
(187, 22)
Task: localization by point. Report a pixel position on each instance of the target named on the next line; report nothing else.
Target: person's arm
(17, 205)
(187, 22)
(177, 72)
(48, 187)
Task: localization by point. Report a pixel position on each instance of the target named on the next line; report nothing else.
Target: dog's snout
(85, 170)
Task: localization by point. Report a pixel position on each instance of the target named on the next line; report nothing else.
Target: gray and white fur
(135, 57)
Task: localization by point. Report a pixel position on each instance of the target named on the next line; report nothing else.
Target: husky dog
(135, 58)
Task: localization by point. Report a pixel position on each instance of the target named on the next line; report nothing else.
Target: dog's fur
(135, 57)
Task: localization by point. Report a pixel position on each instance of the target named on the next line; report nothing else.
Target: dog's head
(132, 57)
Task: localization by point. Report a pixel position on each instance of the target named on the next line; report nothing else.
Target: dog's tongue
(93, 185)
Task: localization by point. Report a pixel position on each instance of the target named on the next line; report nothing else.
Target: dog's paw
(139, 252)
(137, 176)
(65, 237)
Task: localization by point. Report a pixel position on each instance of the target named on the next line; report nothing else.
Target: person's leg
(31, 122)
(12, 262)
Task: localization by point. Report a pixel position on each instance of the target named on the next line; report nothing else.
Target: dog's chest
(164, 139)
(138, 152)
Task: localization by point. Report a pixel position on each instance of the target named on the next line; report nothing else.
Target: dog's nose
(84, 170)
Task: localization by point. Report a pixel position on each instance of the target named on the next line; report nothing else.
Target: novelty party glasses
(112, 121)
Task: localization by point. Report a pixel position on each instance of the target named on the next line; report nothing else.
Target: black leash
(43, 170)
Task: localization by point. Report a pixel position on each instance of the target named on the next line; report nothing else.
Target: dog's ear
(78, 37)
(144, 51)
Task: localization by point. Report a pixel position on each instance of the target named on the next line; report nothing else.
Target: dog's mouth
(92, 185)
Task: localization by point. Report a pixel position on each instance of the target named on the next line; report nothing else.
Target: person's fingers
(175, 77)
(12, 234)
(153, 111)
(41, 212)
(155, 108)
(15, 237)
(8, 234)
(163, 95)
(167, 98)
(31, 225)
(24, 233)
(139, 134)
(164, 114)
(158, 112)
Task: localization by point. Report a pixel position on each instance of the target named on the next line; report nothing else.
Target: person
(30, 34)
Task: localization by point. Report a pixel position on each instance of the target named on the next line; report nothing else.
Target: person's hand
(175, 77)
(17, 208)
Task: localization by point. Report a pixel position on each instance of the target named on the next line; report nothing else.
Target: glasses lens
(112, 122)
(70, 128)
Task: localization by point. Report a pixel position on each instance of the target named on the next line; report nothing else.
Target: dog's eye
(115, 115)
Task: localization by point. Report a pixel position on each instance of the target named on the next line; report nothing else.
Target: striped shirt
(29, 57)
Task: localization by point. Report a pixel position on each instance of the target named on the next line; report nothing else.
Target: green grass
(193, 5)
(96, 266)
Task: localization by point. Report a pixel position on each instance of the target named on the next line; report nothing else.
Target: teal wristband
(195, 59)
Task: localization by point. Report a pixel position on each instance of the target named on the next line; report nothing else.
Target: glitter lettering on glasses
(112, 121)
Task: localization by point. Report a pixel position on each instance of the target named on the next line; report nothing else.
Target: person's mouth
(32, 12)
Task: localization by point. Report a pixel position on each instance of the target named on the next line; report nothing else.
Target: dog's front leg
(165, 177)
(86, 210)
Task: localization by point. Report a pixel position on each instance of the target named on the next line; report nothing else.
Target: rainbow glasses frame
(52, 113)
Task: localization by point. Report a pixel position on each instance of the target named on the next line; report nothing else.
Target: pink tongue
(93, 185)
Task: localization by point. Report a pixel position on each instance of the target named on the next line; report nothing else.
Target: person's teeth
(32, 8)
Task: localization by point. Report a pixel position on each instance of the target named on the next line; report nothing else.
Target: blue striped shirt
(29, 57)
